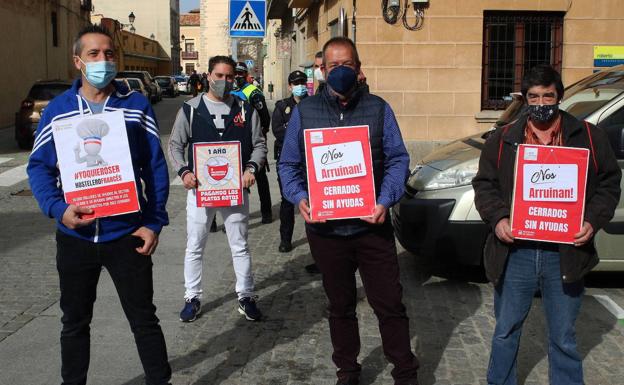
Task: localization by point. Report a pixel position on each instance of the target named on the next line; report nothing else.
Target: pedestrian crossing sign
(247, 18)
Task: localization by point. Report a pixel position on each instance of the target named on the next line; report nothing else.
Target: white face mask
(318, 74)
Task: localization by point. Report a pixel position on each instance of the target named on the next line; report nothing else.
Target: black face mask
(543, 113)
(240, 81)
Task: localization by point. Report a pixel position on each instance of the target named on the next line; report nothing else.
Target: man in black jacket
(281, 115)
(252, 94)
(519, 268)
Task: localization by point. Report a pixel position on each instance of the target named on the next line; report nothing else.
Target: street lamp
(131, 19)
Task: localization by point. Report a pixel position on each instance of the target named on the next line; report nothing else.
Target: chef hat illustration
(92, 130)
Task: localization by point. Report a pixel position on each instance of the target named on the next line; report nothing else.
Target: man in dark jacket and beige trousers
(519, 269)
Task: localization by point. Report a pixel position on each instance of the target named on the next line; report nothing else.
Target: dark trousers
(287, 216)
(374, 254)
(79, 264)
(264, 191)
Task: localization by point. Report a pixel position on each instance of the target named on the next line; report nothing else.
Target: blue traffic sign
(250, 63)
(247, 18)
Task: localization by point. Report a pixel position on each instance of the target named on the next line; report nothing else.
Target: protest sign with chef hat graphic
(99, 175)
(91, 131)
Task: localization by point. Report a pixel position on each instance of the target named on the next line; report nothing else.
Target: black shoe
(190, 311)
(213, 226)
(312, 269)
(247, 307)
(284, 247)
(266, 219)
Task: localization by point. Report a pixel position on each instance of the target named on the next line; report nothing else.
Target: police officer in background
(252, 94)
(281, 115)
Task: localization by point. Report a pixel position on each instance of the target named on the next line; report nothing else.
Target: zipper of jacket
(97, 231)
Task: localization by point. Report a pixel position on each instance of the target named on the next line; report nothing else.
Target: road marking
(13, 176)
(4, 160)
(611, 306)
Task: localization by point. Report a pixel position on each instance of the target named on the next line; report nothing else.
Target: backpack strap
(500, 145)
(591, 144)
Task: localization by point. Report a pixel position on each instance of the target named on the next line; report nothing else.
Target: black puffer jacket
(493, 187)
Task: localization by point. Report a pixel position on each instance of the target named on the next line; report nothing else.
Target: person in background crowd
(341, 247)
(214, 117)
(204, 82)
(194, 81)
(249, 92)
(122, 244)
(281, 115)
(520, 268)
(318, 73)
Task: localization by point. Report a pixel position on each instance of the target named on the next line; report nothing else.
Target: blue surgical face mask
(342, 79)
(300, 90)
(99, 73)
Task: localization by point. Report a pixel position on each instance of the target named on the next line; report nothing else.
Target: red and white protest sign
(549, 193)
(95, 163)
(340, 172)
(218, 172)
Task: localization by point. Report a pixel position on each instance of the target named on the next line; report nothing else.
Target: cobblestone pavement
(450, 313)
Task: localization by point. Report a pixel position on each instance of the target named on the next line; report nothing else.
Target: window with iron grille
(514, 42)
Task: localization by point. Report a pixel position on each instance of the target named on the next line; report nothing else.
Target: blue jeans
(530, 269)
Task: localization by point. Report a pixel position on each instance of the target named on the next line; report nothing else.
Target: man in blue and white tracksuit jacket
(122, 244)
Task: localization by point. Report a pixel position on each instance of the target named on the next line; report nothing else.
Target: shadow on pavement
(593, 323)
(290, 311)
(439, 299)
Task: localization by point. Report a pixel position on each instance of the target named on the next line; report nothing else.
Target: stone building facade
(37, 38)
(449, 78)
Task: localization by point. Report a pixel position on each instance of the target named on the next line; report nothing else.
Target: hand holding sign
(72, 218)
(583, 236)
(503, 231)
(248, 179)
(304, 210)
(189, 180)
(378, 217)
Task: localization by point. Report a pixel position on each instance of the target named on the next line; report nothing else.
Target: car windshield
(163, 81)
(47, 91)
(180, 79)
(587, 96)
(134, 84)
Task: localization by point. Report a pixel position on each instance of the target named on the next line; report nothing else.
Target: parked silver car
(136, 84)
(437, 220)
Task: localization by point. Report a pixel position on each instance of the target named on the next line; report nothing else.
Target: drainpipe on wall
(45, 32)
(353, 23)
